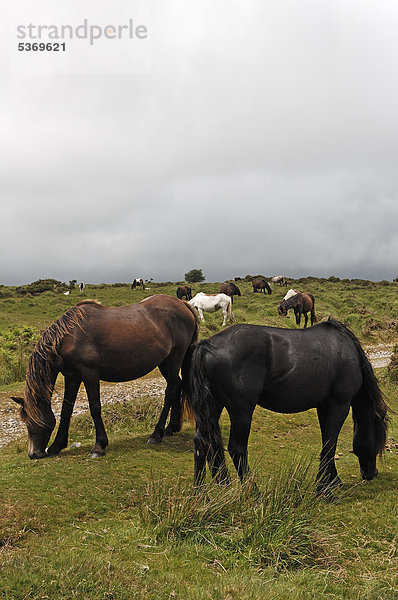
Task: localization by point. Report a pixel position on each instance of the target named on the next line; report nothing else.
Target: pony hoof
(97, 453)
(153, 440)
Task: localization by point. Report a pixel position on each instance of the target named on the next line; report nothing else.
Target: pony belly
(119, 376)
(292, 398)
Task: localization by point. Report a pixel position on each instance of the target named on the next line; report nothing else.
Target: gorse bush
(278, 527)
(16, 345)
(42, 285)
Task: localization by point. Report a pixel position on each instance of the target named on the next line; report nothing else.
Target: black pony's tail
(198, 398)
(370, 395)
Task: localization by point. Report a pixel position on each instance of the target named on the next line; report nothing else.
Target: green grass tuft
(276, 524)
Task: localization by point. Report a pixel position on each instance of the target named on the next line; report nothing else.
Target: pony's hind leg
(238, 439)
(61, 439)
(172, 400)
(91, 383)
(331, 419)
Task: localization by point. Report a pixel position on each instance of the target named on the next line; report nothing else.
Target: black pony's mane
(40, 375)
(374, 393)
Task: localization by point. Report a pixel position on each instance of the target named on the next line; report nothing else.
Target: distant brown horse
(230, 289)
(261, 284)
(92, 342)
(301, 304)
(184, 290)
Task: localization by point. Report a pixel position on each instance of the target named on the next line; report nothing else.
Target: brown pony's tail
(186, 409)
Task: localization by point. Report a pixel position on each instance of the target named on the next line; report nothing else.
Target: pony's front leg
(70, 393)
(331, 419)
(200, 311)
(91, 383)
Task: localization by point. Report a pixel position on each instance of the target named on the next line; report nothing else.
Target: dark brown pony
(184, 290)
(301, 304)
(261, 284)
(230, 289)
(92, 342)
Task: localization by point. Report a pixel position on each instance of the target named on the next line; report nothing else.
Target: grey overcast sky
(264, 139)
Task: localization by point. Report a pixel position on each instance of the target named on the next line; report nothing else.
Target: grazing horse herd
(283, 370)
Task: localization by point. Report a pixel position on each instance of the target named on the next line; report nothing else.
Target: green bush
(194, 276)
(42, 285)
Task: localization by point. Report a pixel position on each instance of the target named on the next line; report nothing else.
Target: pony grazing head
(282, 309)
(40, 427)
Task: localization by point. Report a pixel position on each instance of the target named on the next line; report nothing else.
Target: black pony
(286, 371)
(184, 290)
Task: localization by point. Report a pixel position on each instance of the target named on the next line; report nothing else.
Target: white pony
(290, 293)
(278, 279)
(203, 302)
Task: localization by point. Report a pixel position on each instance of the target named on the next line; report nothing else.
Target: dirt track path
(11, 426)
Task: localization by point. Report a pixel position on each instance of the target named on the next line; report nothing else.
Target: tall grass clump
(274, 525)
(392, 368)
(16, 345)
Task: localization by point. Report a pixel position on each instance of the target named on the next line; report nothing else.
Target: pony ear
(19, 401)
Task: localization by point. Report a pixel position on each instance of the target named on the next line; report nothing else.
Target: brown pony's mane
(40, 375)
(292, 301)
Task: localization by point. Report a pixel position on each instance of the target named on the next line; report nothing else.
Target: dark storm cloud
(264, 140)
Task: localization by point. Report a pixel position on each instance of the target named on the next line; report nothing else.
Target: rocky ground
(11, 426)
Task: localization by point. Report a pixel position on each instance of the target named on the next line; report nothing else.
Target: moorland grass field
(128, 526)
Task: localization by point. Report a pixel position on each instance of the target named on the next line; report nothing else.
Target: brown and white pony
(301, 303)
(138, 282)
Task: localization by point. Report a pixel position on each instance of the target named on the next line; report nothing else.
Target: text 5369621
(42, 47)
